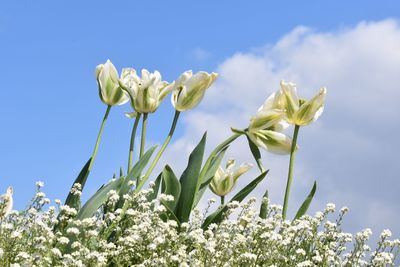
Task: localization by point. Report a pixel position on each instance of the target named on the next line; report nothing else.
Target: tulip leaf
(169, 214)
(304, 207)
(264, 206)
(134, 174)
(73, 200)
(255, 151)
(99, 198)
(170, 186)
(190, 182)
(206, 180)
(156, 187)
(216, 216)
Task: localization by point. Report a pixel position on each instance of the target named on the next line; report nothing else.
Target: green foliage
(99, 198)
(171, 186)
(190, 181)
(304, 207)
(73, 200)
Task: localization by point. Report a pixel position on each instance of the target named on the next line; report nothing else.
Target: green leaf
(169, 214)
(304, 207)
(255, 151)
(216, 216)
(134, 174)
(209, 174)
(98, 199)
(74, 200)
(264, 207)
(170, 186)
(156, 187)
(190, 182)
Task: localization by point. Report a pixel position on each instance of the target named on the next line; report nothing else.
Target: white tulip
(6, 202)
(224, 181)
(189, 89)
(109, 90)
(266, 126)
(146, 92)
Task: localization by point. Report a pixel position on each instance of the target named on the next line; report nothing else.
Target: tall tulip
(299, 112)
(109, 90)
(189, 89)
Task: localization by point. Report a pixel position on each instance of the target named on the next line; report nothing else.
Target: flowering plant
(124, 224)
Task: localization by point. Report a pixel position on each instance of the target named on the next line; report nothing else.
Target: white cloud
(352, 149)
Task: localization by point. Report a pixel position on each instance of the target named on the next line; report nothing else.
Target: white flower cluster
(145, 237)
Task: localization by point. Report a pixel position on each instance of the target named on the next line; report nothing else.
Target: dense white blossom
(145, 237)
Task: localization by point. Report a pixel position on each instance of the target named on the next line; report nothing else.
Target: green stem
(290, 174)
(143, 139)
(96, 147)
(222, 200)
(159, 154)
(132, 144)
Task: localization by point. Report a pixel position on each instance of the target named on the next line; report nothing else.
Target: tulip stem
(159, 154)
(96, 147)
(290, 174)
(132, 144)
(222, 200)
(143, 139)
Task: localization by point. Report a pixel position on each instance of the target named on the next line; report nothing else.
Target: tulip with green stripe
(189, 89)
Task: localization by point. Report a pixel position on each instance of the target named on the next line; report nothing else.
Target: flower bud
(224, 181)
(146, 92)
(189, 89)
(109, 90)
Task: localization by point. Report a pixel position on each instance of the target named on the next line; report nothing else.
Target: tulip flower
(301, 112)
(6, 203)
(224, 181)
(146, 92)
(189, 89)
(266, 126)
(109, 90)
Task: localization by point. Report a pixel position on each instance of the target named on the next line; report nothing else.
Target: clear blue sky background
(50, 110)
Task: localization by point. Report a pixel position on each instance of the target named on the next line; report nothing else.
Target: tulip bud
(189, 89)
(146, 92)
(299, 111)
(109, 90)
(224, 181)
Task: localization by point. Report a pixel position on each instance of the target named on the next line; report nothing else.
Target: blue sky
(50, 111)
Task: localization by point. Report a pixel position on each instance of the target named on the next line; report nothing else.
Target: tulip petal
(311, 110)
(271, 141)
(291, 99)
(266, 119)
